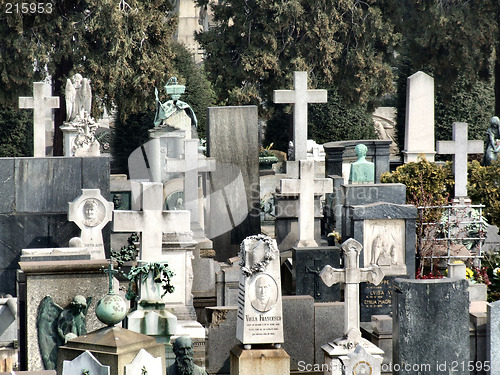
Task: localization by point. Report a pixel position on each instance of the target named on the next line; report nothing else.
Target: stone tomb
(387, 232)
(91, 212)
(84, 362)
(307, 265)
(431, 326)
(63, 280)
(34, 207)
(260, 317)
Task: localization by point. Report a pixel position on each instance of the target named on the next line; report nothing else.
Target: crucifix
(192, 164)
(152, 221)
(40, 102)
(300, 97)
(315, 271)
(351, 275)
(460, 147)
(111, 273)
(306, 187)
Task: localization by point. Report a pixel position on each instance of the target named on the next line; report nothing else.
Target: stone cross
(351, 275)
(192, 164)
(460, 147)
(152, 221)
(300, 97)
(40, 103)
(306, 187)
(91, 212)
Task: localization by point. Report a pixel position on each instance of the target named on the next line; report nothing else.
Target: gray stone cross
(40, 103)
(306, 187)
(460, 147)
(300, 97)
(192, 164)
(152, 221)
(351, 275)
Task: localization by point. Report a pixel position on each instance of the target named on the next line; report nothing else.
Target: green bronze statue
(167, 109)
(362, 171)
(184, 363)
(492, 141)
(57, 325)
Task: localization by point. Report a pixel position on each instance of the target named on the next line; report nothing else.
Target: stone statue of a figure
(184, 362)
(492, 141)
(57, 325)
(78, 97)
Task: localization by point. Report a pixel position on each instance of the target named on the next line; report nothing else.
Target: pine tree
(256, 45)
(124, 47)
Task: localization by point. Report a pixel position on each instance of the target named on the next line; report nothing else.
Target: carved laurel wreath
(270, 254)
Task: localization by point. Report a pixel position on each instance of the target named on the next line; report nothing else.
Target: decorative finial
(111, 309)
(111, 272)
(174, 89)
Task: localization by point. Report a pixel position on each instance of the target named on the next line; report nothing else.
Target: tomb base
(259, 361)
(365, 358)
(111, 346)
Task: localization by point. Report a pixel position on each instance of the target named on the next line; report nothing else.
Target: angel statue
(57, 325)
(78, 97)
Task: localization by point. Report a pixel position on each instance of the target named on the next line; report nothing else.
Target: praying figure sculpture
(362, 171)
(78, 97)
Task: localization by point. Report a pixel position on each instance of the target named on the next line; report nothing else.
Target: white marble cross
(152, 221)
(40, 103)
(91, 212)
(300, 97)
(306, 187)
(460, 147)
(351, 275)
(192, 164)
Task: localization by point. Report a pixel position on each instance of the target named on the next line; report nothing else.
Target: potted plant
(266, 157)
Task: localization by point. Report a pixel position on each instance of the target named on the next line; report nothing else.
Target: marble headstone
(234, 214)
(144, 363)
(493, 337)
(419, 123)
(431, 324)
(260, 317)
(84, 362)
(91, 212)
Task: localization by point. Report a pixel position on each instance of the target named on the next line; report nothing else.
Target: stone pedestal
(366, 358)
(259, 361)
(112, 346)
(63, 280)
(69, 134)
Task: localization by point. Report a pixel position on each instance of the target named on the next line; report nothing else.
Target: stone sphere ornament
(111, 309)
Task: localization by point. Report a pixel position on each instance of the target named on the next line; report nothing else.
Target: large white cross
(351, 275)
(192, 164)
(152, 221)
(460, 147)
(40, 103)
(300, 97)
(306, 187)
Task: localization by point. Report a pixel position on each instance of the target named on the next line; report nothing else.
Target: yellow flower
(469, 274)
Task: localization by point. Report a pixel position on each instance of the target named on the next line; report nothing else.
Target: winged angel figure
(57, 325)
(78, 97)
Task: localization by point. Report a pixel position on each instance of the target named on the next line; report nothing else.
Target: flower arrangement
(334, 235)
(265, 152)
